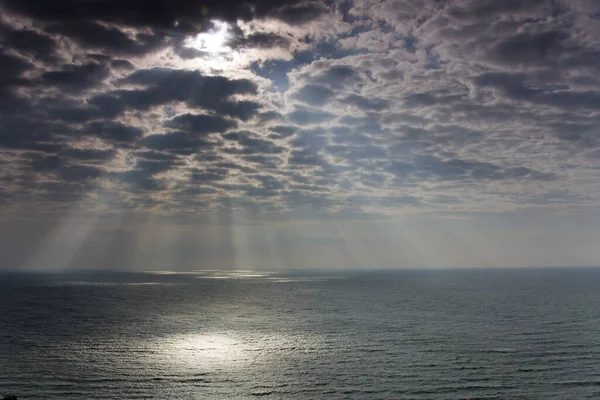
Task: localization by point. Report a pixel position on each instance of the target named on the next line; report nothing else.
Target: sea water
(460, 334)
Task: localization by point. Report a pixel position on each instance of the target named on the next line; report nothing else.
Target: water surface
(496, 334)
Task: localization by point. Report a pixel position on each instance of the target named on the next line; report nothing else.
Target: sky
(268, 134)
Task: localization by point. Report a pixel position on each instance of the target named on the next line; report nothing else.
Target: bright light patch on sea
(202, 349)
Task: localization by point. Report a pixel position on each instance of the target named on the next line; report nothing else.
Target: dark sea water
(496, 334)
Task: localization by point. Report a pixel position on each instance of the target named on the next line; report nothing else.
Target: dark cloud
(88, 154)
(200, 124)
(305, 157)
(139, 181)
(252, 144)
(269, 116)
(98, 107)
(114, 41)
(212, 93)
(338, 76)
(457, 169)
(530, 48)
(418, 100)
(76, 78)
(97, 57)
(298, 13)
(261, 41)
(63, 193)
(189, 53)
(106, 106)
(235, 167)
(176, 142)
(314, 95)
(515, 87)
(178, 80)
(209, 175)
(585, 134)
(366, 104)
(588, 99)
(366, 124)
(31, 43)
(309, 117)
(12, 69)
(114, 131)
(263, 161)
(490, 9)
(152, 167)
(270, 182)
(122, 64)
(261, 192)
(283, 130)
(64, 168)
(156, 156)
(310, 139)
(21, 132)
(10, 101)
(184, 16)
(48, 163)
(79, 173)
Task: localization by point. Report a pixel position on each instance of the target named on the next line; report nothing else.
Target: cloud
(79, 173)
(366, 104)
(164, 86)
(529, 48)
(337, 76)
(140, 181)
(98, 107)
(355, 108)
(30, 43)
(76, 78)
(110, 39)
(305, 157)
(315, 95)
(457, 169)
(114, 131)
(89, 154)
(200, 124)
(19, 132)
(122, 64)
(210, 175)
(251, 143)
(163, 15)
(283, 130)
(177, 142)
(261, 41)
(12, 69)
(309, 117)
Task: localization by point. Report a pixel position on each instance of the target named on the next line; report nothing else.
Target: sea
(407, 334)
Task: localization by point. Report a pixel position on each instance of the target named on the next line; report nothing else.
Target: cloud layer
(356, 108)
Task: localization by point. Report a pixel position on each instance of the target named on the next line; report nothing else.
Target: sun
(213, 41)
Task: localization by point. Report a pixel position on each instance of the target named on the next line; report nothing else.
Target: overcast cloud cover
(289, 134)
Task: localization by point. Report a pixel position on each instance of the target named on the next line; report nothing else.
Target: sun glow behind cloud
(214, 49)
(214, 41)
(220, 49)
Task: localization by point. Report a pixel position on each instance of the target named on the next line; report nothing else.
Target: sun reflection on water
(197, 350)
